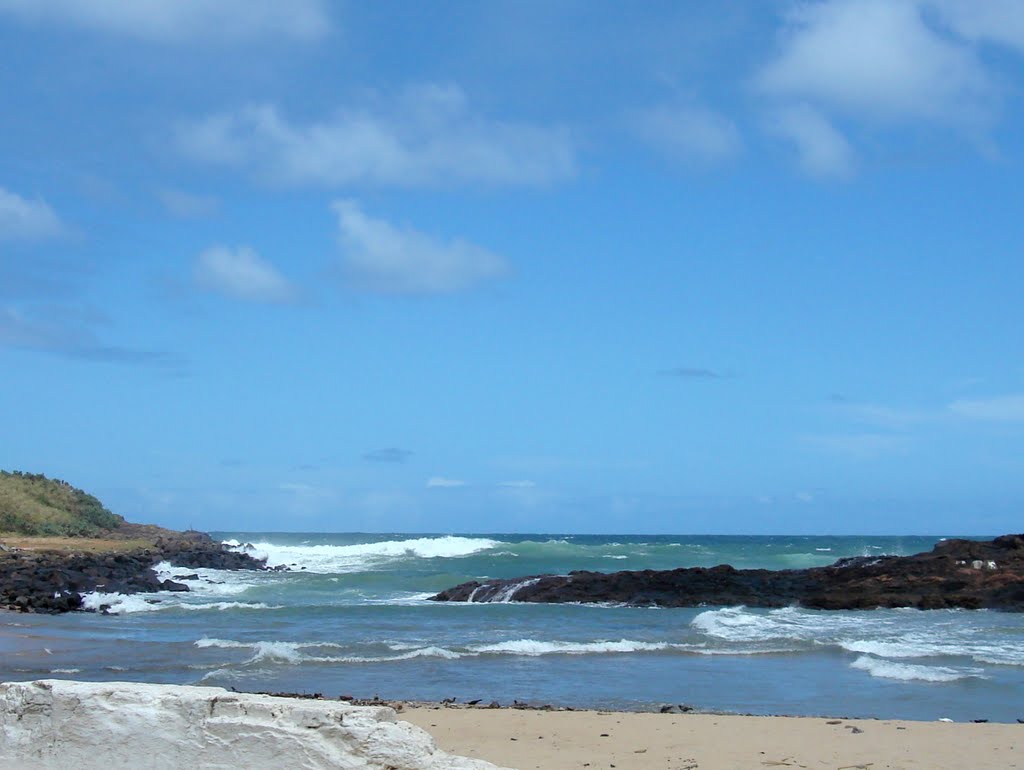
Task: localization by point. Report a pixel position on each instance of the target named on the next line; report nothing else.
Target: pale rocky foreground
(55, 724)
(108, 726)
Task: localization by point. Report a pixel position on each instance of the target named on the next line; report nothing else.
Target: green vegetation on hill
(31, 504)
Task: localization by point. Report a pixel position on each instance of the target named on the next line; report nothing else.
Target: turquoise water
(351, 617)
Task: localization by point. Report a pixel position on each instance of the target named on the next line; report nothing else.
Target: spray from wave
(340, 559)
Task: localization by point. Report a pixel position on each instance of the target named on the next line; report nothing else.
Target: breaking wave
(534, 648)
(300, 652)
(335, 559)
(121, 603)
(126, 604)
(881, 639)
(908, 672)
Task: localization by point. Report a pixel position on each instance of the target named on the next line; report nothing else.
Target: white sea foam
(330, 559)
(535, 648)
(733, 651)
(504, 596)
(908, 672)
(65, 670)
(737, 624)
(120, 603)
(432, 652)
(230, 606)
(223, 643)
(419, 652)
(127, 604)
(230, 644)
(1006, 656)
(401, 600)
(953, 644)
(298, 652)
(220, 673)
(209, 582)
(294, 653)
(896, 649)
(286, 652)
(270, 651)
(879, 634)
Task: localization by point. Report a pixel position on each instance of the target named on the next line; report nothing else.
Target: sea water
(351, 616)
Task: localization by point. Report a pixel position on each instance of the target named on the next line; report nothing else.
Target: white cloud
(804, 497)
(378, 256)
(444, 483)
(24, 219)
(690, 133)
(878, 60)
(1000, 408)
(822, 151)
(518, 484)
(186, 205)
(995, 21)
(243, 274)
(177, 20)
(427, 137)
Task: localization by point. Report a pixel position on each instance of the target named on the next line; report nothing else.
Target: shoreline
(564, 740)
(50, 722)
(411, 705)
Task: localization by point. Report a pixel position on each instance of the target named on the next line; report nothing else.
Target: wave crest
(909, 672)
(333, 559)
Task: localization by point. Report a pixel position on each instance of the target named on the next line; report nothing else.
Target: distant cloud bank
(175, 21)
(425, 137)
(25, 219)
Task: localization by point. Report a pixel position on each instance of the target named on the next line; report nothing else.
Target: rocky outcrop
(52, 724)
(50, 581)
(956, 573)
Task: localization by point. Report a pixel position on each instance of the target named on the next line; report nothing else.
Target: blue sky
(555, 266)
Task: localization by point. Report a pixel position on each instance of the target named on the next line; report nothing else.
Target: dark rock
(675, 708)
(170, 585)
(52, 582)
(954, 574)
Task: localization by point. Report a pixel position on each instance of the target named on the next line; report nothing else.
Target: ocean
(351, 617)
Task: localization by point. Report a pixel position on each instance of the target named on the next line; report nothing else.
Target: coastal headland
(58, 543)
(967, 574)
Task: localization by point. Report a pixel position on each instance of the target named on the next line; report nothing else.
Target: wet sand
(560, 740)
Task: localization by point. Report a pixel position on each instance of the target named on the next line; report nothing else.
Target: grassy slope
(31, 504)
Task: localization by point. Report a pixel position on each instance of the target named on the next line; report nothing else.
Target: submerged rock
(113, 725)
(954, 574)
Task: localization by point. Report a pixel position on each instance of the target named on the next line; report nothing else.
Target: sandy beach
(568, 740)
(48, 724)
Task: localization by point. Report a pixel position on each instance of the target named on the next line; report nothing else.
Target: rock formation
(49, 581)
(956, 573)
(51, 724)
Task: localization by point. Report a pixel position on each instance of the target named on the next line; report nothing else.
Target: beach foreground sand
(560, 740)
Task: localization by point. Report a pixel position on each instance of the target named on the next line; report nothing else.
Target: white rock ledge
(111, 725)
